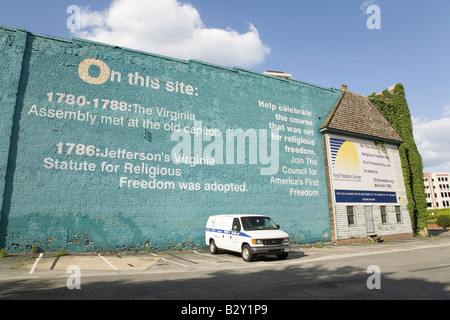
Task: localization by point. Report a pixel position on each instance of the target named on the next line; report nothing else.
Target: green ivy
(382, 147)
(393, 105)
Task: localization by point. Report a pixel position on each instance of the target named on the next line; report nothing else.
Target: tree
(443, 221)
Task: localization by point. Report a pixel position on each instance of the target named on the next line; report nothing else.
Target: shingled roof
(356, 115)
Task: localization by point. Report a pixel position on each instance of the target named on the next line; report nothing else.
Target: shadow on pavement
(289, 283)
(439, 232)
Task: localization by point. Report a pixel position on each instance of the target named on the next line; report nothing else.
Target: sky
(369, 45)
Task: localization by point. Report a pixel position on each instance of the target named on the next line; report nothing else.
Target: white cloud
(171, 28)
(363, 7)
(431, 137)
(447, 110)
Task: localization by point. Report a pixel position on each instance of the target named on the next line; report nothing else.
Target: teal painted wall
(60, 113)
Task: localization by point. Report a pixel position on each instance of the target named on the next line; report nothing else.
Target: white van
(251, 235)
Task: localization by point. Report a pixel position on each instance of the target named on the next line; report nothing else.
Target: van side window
(236, 225)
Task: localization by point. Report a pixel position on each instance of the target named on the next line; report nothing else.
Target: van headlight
(286, 241)
(256, 241)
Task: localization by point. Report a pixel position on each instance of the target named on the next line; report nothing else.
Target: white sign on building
(363, 172)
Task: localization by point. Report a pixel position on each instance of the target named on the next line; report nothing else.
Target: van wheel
(246, 253)
(212, 247)
(282, 256)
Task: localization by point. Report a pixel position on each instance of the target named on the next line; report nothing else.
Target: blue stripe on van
(242, 234)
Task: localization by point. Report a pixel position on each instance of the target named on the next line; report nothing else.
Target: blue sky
(324, 42)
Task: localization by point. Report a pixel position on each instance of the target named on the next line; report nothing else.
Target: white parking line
(104, 259)
(211, 256)
(35, 264)
(183, 265)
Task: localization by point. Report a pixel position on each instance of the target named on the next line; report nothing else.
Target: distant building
(437, 189)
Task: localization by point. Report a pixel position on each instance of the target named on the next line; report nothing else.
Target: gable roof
(356, 115)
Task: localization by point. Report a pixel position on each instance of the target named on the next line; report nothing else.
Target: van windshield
(258, 223)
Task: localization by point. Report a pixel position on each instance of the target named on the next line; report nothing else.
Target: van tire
(246, 253)
(212, 247)
(282, 256)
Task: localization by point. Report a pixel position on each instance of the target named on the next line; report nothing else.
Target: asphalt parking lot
(414, 268)
(20, 266)
(49, 265)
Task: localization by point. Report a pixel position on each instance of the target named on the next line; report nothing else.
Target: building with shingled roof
(367, 196)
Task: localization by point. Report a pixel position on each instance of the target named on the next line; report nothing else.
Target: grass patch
(61, 253)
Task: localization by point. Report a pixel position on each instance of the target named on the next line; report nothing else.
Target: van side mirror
(236, 228)
(278, 226)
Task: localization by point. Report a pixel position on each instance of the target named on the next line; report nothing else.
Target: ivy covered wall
(392, 103)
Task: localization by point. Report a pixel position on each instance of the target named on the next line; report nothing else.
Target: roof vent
(279, 74)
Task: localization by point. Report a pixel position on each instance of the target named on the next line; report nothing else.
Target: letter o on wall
(83, 71)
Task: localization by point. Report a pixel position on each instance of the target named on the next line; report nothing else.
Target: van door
(221, 226)
(234, 236)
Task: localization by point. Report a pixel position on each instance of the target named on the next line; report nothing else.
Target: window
(398, 214)
(236, 225)
(258, 223)
(351, 216)
(383, 215)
